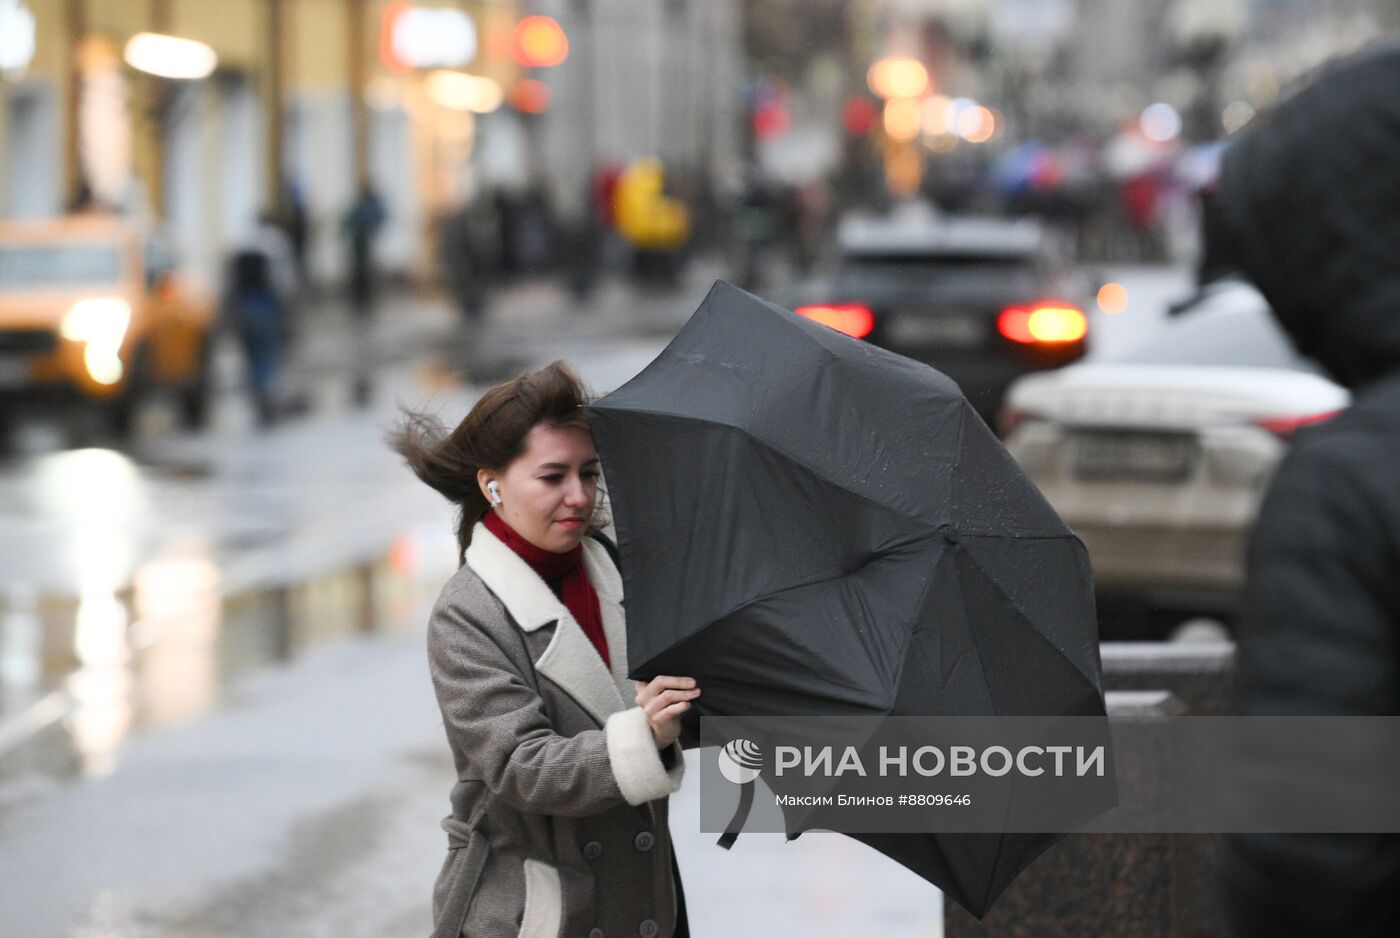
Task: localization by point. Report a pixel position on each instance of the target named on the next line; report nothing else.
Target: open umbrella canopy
(810, 525)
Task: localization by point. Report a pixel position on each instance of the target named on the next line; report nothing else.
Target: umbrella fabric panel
(1026, 674)
(811, 393)
(829, 648)
(991, 495)
(975, 653)
(763, 525)
(941, 672)
(1050, 583)
(971, 869)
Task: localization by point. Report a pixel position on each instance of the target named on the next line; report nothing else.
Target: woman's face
(548, 493)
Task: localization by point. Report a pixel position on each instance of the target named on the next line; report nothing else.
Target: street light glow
(903, 119)
(420, 37)
(461, 92)
(1160, 122)
(936, 116)
(1113, 298)
(530, 96)
(897, 77)
(17, 38)
(540, 42)
(170, 56)
(976, 124)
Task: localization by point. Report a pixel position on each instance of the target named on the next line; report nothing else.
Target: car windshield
(50, 266)
(1234, 334)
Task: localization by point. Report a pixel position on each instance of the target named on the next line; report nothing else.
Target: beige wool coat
(558, 824)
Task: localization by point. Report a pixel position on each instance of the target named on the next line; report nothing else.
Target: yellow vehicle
(646, 216)
(91, 312)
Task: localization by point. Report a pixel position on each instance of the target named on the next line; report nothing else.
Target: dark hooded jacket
(1309, 202)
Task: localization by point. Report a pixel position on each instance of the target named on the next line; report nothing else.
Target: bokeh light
(530, 96)
(903, 118)
(540, 42)
(936, 114)
(1236, 115)
(1113, 298)
(1160, 122)
(976, 124)
(461, 92)
(897, 77)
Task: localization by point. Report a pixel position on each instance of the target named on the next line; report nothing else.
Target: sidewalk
(309, 805)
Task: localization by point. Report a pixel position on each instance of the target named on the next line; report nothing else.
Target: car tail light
(1043, 324)
(851, 318)
(1285, 427)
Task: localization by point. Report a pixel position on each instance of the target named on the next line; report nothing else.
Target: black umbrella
(810, 525)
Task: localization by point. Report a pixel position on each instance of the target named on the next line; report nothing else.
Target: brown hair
(492, 436)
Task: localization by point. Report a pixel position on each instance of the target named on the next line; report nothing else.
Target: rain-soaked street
(213, 675)
(1050, 372)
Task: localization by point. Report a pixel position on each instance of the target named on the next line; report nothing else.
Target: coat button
(595, 933)
(592, 851)
(647, 929)
(644, 841)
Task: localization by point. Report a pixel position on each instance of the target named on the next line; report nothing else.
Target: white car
(1158, 459)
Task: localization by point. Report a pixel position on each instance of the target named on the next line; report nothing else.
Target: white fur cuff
(636, 762)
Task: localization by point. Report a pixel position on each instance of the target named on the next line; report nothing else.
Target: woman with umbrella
(558, 821)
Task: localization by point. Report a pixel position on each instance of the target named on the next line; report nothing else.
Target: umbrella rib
(919, 627)
(1021, 614)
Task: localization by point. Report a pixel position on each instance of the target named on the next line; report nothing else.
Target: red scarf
(579, 596)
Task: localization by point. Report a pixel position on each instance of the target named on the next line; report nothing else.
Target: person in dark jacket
(256, 310)
(1309, 207)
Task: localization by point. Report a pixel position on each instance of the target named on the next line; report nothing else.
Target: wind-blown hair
(492, 436)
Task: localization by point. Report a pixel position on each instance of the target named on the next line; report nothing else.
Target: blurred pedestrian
(558, 822)
(467, 272)
(363, 221)
(270, 238)
(256, 312)
(756, 229)
(1309, 209)
(296, 222)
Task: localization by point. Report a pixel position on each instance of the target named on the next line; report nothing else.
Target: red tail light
(850, 318)
(1285, 427)
(1043, 324)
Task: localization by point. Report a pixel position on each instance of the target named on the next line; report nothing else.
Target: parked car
(980, 299)
(1158, 459)
(92, 314)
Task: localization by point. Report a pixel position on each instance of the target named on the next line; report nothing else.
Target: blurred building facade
(312, 98)
(645, 78)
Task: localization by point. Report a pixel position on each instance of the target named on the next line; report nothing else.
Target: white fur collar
(570, 660)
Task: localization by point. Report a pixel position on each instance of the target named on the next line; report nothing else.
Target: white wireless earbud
(495, 493)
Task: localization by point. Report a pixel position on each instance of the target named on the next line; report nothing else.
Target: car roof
(922, 232)
(1227, 324)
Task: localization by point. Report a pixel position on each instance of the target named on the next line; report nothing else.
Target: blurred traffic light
(540, 42)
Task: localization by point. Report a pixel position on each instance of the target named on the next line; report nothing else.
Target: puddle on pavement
(79, 674)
